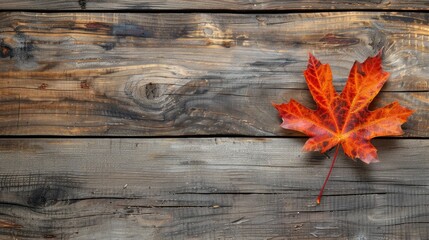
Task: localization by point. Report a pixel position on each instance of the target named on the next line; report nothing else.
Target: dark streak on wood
(129, 30)
(8, 224)
(95, 26)
(339, 40)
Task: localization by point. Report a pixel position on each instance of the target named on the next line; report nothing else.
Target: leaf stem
(319, 198)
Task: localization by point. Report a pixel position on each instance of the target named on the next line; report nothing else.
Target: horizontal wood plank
(193, 74)
(237, 5)
(214, 188)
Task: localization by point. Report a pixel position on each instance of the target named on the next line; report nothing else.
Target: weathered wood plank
(208, 189)
(192, 74)
(240, 5)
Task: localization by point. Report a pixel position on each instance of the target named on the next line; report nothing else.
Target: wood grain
(237, 5)
(214, 188)
(193, 74)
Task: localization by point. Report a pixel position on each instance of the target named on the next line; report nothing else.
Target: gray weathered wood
(240, 5)
(192, 74)
(215, 188)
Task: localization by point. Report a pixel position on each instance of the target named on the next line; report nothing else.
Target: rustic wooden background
(153, 120)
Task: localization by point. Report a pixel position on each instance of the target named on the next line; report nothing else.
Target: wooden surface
(193, 74)
(237, 5)
(209, 188)
(171, 87)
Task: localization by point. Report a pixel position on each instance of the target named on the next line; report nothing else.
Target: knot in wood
(152, 91)
(45, 196)
(208, 31)
(5, 50)
(82, 4)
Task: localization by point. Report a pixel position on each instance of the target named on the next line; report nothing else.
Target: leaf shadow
(360, 171)
(317, 159)
(365, 172)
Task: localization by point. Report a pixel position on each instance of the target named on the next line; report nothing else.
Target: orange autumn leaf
(344, 119)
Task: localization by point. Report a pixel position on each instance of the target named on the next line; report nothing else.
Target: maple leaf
(344, 119)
